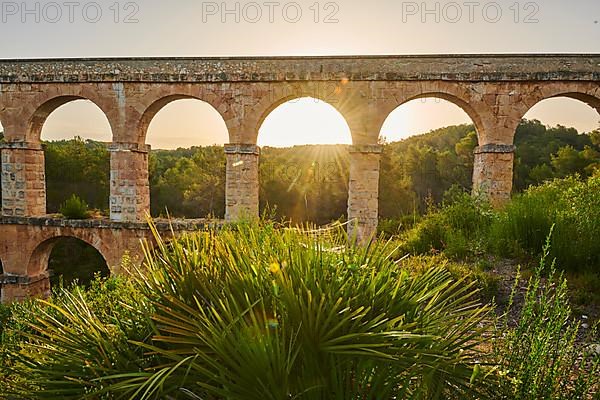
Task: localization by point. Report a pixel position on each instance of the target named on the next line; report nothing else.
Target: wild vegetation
(467, 229)
(463, 226)
(74, 208)
(265, 311)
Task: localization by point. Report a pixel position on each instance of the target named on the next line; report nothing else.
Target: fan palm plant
(251, 312)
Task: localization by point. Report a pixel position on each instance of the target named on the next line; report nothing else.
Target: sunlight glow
(304, 121)
(421, 116)
(80, 118)
(567, 112)
(187, 123)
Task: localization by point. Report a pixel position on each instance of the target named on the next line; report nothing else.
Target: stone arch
(268, 104)
(463, 104)
(40, 256)
(43, 111)
(592, 100)
(58, 190)
(157, 105)
(334, 109)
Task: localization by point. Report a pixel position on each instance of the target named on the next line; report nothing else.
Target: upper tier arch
(25, 109)
(585, 93)
(495, 90)
(159, 103)
(473, 113)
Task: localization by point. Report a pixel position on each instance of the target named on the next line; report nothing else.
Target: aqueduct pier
(496, 91)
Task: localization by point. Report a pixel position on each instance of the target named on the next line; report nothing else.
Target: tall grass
(542, 355)
(466, 226)
(262, 313)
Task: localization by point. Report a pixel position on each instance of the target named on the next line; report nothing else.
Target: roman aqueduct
(496, 91)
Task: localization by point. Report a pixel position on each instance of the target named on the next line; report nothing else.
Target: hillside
(309, 183)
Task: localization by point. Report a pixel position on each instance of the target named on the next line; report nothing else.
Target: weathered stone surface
(241, 187)
(26, 244)
(23, 179)
(493, 173)
(16, 288)
(363, 194)
(254, 69)
(129, 186)
(162, 225)
(495, 148)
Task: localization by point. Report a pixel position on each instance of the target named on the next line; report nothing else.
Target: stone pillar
(241, 186)
(493, 172)
(17, 288)
(363, 192)
(23, 179)
(129, 186)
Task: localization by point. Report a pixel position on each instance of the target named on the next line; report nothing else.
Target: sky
(205, 28)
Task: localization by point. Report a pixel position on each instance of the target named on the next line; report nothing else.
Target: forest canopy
(310, 183)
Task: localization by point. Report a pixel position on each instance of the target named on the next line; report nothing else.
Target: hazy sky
(204, 28)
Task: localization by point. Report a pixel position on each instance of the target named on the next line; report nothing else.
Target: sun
(304, 121)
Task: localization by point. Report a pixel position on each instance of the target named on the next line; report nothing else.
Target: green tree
(595, 137)
(568, 161)
(310, 183)
(78, 167)
(189, 186)
(541, 173)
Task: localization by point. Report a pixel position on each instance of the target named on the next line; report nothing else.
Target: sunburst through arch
(320, 136)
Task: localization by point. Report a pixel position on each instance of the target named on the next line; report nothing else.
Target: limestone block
(493, 173)
(129, 186)
(363, 195)
(241, 186)
(23, 180)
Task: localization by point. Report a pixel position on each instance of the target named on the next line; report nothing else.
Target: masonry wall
(26, 244)
(495, 91)
(23, 181)
(493, 173)
(363, 193)
(129, 186)
(242, 186)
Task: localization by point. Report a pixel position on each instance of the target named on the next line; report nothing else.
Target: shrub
(486, 282)
(264, 313)
(14, 321)
(456, 228)
(4, 316)
(571, 205)
(75, 208)
(390, 227)
(541, 356)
